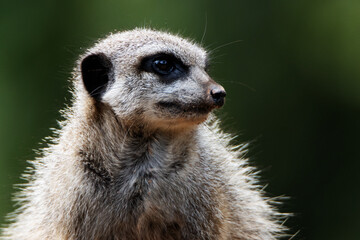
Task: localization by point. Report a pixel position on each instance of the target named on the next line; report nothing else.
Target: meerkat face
(151, 77)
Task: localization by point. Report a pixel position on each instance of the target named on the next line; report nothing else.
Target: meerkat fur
(140, 155)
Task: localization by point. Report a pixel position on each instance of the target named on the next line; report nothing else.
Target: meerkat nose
(218, 94)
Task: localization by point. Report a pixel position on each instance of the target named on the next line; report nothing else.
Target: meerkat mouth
(180, 108)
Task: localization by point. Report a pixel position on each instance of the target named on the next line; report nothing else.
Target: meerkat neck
(115, 146)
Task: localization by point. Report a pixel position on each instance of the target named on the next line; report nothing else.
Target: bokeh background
(291, 70)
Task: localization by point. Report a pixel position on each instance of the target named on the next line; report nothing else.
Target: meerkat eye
(163, 66)
(166, 66)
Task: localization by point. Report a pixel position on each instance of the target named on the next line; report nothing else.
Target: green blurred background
(292, 78)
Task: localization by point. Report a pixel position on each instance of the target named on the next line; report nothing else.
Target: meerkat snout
(218, 95)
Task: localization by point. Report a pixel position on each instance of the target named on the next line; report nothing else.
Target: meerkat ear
(95, 70)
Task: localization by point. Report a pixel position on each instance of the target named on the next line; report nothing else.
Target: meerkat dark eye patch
(95, 70)
(166, 66)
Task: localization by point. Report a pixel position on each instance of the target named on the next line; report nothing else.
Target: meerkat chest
(150, 167)
(152, 184)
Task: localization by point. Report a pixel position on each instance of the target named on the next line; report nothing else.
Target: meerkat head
(151, 77)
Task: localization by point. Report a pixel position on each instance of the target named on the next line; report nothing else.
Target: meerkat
(140, 155)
